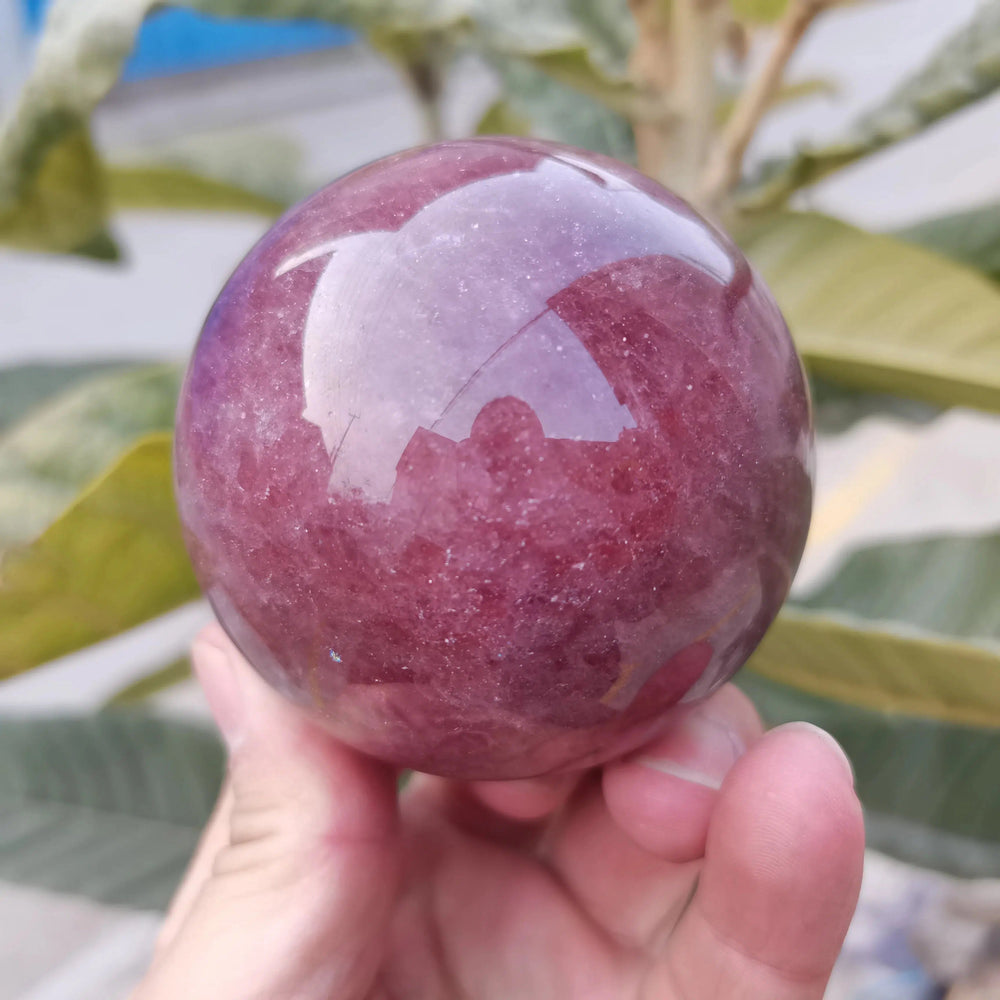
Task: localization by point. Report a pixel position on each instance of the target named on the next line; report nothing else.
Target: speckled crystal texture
(492, 451)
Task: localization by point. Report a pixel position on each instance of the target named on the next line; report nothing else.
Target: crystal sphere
(492, 451)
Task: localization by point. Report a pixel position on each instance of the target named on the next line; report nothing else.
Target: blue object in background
(176, 40)
(912, 985)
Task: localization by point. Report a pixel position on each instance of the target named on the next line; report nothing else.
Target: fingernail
(808, 727)
(221, 684)
(701, 749)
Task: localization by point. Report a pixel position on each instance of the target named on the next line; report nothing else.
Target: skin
(719, 862)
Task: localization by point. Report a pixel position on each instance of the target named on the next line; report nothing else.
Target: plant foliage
(898, 653)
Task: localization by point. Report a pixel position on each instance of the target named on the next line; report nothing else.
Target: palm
(486, 919)
(571, 906)
(643, 880)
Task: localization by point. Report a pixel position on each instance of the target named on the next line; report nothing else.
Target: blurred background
(140, 158)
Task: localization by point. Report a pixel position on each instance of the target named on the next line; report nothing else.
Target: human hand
(648, 879)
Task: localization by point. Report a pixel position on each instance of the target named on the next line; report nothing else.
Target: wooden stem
(725, 163)
(696, 34)
(651, 70)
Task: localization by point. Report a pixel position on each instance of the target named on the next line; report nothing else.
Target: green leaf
(946, 584)
(46, 459)
(574, 68)
(560, 112)
(608, 32)
(417, 15)
(114, 559)
(882, 666)
(499, 119)
(109, 807)
(100, 246)
(758, 11)
(581, 44)
(919, 715)
(26, 387)
(898, 655)
(972, 237)
(928, 787)
(523, 27)
(965, 69)
(787, 93)
(61, 205)
(254, 161)
(164, 187)
(837, 409)
(52, 194)
(153, 683)
(870, 311)
(604, 29)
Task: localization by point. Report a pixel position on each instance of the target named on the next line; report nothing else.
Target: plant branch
(423, 59)
(726, 161)
(696, 32)
(651, 71)
(424, 77)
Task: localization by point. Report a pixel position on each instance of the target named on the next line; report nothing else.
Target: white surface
(865, 50)
(56, 947)
(153, 307)
(884, 479)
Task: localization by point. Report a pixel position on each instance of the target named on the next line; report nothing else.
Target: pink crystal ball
(490, 453)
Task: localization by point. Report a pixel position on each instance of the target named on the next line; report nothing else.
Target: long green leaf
(929, 787)
(971, 237)
(870, 311)
(575, 69)
(24, 388)
(500, 119)
(61, 202)
(608, 33)
(555, 56)
(882, 666)
(220, 169)
(165, 187)
(114, 559)
(837, 408)
(562, 112)
(525, 28)
(416, 15)
(52, 192)
(898, 655)
(946, 584)
(918, 713)
(965, 69)
(48, 458)
(109, 807)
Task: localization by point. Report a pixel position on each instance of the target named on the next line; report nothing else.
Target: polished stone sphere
(491, 452)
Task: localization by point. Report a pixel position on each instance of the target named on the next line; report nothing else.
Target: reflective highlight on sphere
(491, 452)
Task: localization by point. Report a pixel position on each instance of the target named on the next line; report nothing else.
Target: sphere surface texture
(492, 451)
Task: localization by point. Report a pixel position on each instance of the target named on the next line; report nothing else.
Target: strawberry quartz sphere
(490, 453)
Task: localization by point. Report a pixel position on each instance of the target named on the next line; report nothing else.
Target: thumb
(290, 891)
